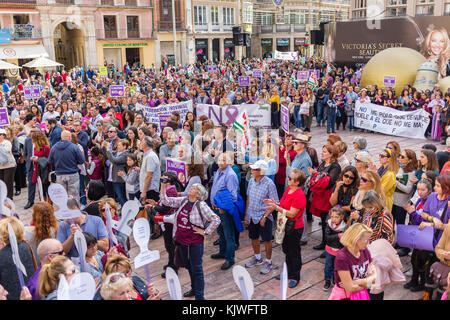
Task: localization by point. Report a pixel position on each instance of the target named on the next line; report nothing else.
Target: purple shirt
(416, 217)
(435, 207)
(185, 234)
(33, 284)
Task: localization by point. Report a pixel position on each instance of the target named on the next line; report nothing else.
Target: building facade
(287, 27)
(360, 9)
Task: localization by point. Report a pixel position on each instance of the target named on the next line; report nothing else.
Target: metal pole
(174, 33)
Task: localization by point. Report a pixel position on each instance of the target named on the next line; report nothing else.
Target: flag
(329, 69)
(241, 125)
(312, 81)
(294, 82)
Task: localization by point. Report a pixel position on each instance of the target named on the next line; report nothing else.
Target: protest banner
(285, 119)
(244, 81)
(4, 119)
(258, 115)
(177, 166)
(389, 81)
(311, 71)
(409, 236)
(257, 73)
(302, 76)
(32, 92)
(410, 124)
(117, 91)
(290, 55)
(160, 114)
(212, 68)
(103, 72)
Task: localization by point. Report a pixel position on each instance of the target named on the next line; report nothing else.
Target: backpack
(3, 156)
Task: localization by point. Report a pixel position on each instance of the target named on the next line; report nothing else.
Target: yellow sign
(103, 71)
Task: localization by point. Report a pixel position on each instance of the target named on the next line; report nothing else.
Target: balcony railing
(25, 32)
(133, 34)
(201, 27)
(131, 3)
(168, 26)
(65, 1)
(17, 1)
(107, 2)
(283, 28)
(102, 34)
(267, 29)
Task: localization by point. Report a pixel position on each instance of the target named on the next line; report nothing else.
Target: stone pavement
(219, 285)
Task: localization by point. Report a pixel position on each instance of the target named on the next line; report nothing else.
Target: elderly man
(167, 150)
(47, 250)
(65, 158)
(150, 172)
(259, 222)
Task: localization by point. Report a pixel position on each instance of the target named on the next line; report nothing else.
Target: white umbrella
(6, 65)
(42, 62)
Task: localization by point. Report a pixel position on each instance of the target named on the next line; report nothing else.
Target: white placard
(146, 257)
(109, 220)
(141, 234)
(80, 243)
(3, 194)
(410, 124)
(173, 284)
(15, 250)
(244, 282)
(283, 282)
(257, 115)
(58, 195)
(82, 287)
(40, 189)
(129, 211)
(67, 214)
(63, 289)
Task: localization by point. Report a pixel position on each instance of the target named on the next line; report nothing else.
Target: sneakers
(266, 267)
(254, 262)
(327, 285)
(409, 273)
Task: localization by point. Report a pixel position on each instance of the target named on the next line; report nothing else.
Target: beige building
(288, 27)
(360, 9)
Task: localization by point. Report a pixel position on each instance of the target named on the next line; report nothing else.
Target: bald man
(65, 158)
(47, 250)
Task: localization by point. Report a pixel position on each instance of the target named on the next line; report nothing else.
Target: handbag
(280, 228)
(304, 108)
(439, 273)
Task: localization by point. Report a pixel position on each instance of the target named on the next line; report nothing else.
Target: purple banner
(4, 120)
(409, 236)
(316, 71)
(285, 119)
(257, 73)
(32, 92)
(244, 81)
(116, 91)
(177, 166)
(212, 69)
(302, 76)
(389, 81)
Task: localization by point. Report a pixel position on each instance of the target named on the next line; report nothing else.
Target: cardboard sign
(116, 91)
(244, 81)
(141, 234)
(112, 237)
(409, 236)
(133, 91)
(82, 287)
(129, 211)
(80, 243)
(103, 72)
(257, 73)
(283, 282)
(63, 289)
(4, 119)
(285, 119)
(40, 189)
(15, 256)
(173, 284)
(177, 166)
(3, 194)
(58, 195)
(302, 76)
(389, 81)
(32, 92)
(244, 282)
(212, 69)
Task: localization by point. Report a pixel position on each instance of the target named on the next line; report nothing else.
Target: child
(333, 231)
(350, 112)
(131, 177)
(436, 127)
(95, 170)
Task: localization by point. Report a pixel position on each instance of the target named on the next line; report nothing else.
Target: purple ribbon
(231, 112)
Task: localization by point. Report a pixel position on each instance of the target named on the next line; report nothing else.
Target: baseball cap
(260, 164)
(2, 131)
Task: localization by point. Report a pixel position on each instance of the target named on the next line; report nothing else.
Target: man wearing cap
(259, 222)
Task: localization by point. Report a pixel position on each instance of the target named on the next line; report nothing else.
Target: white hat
(2, 131)
(261, 165)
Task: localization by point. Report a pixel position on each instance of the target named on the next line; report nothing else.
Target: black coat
(332, 238)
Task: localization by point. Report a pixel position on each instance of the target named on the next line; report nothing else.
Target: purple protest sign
(302, 76)
(32, 92)
(389, 81)
(285, 119)
(212, 69)
(409, 236)
(4, 120)
(257, 73)
(244, 81)
(116, 91)
(316, 71)
(177, 166)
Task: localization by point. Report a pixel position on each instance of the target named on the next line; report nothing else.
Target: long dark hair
(355, 183)
(124, 120)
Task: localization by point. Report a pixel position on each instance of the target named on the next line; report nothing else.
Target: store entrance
(133, 57)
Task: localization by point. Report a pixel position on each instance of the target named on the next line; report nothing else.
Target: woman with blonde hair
(354, 271)
(43, 226)
(436, 47)
(388, 172)
(50, 276)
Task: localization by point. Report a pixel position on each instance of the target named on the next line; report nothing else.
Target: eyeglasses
(357, 160)
(69, 120)
(112, 131)
(59, 253)
(389, 148)
(116, 277)
(364, 179)
(349, 177)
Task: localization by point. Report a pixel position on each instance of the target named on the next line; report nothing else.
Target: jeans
(169, 244)
(109, 189)
(31, 188)
(292, 249)
(82, 190)
(70, 182)
(329, 266)
(132, 196)
(399, 214)
(351, 123)
(320, 113)
(331, 122)
(119, 190)
(297, 117)
(227, 237)
(192, 256)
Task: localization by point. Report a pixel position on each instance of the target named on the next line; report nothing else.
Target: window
(110, 26)
(425, 10)
(396, 2)
(133, 26)
(200, 15)
(228, 16)
(21, 19)
(214, 15)
(266, 19)
(447, 9)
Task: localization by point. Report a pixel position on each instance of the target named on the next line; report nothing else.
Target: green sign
(132, 91)
(171, 59)
(103, 71)
(266, 42)
(137, 44)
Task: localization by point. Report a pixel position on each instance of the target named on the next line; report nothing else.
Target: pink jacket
(387, 264)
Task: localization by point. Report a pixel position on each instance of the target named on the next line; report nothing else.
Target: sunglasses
(69, 120)
(59, 253)
(111, 132)
(116, 277)
(364, 179)
(389, 148)
(383, 155)
(98, 125)
(349, 177)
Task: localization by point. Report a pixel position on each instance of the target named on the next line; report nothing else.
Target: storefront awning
(22, 51)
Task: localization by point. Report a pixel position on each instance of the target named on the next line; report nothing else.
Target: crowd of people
(105, 152)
